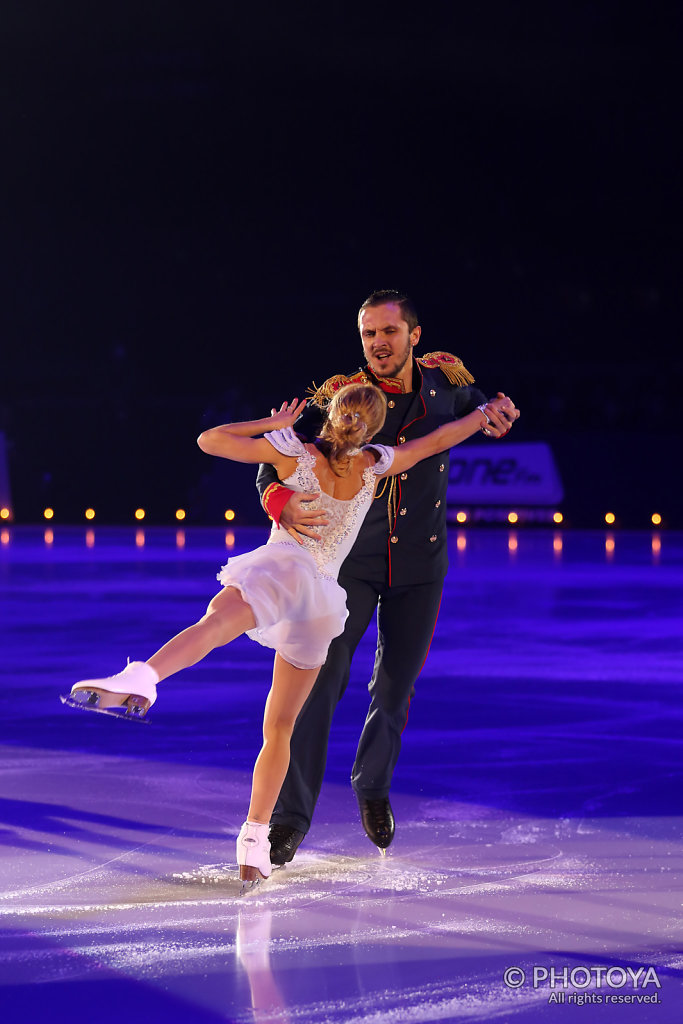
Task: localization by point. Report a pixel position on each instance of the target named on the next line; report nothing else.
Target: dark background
(198, 196)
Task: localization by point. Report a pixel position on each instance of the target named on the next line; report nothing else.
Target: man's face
(387, 342)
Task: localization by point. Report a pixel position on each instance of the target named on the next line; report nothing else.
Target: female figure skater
(285, 594)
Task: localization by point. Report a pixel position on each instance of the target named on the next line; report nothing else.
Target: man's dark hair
(380, 298)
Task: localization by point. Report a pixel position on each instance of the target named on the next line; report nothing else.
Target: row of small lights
(140, 513)
(610, 518)
(461, 517)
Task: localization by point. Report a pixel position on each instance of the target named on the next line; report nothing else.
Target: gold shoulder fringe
(449, 364)
(323, 395)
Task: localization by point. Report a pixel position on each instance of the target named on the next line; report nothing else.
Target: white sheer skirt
(298, 611)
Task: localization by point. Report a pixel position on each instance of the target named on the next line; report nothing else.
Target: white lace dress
(292, 589)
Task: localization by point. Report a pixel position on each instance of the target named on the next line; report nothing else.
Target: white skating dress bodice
(292, 588)
(345, 516)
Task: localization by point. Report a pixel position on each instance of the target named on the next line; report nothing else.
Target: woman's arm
(237, 441)
(494, 418)
(288, 508)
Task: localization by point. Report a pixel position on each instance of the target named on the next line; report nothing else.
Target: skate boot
(129, 694)
(378, 821)
(284, 842)
(253, 854)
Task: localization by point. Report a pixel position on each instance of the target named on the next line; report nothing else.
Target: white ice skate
(129, 694)
(253, 854)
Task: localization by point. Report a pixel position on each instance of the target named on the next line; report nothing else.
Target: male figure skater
(396, 568)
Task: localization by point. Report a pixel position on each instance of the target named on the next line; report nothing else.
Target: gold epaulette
(323, 395)
(448, 364)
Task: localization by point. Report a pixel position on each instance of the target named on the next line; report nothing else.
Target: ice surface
(538, 803)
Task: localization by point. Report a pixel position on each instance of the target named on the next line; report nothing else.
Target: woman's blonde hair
(354, 415)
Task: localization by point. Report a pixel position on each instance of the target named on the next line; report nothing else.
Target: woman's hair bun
(356, 412)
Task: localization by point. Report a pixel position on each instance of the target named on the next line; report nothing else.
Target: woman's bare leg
(291, 686)
(227, 617)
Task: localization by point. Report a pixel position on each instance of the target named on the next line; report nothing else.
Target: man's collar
(394, 385)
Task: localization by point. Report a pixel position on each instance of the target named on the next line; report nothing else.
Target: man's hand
(502, 413)
(297, 520)
(506, 406)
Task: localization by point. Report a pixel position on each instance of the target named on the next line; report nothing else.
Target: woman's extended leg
(226, 618)
(134, 689)
(291, 686)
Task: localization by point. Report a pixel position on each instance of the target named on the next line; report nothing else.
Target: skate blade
(249, 886)
(86, 700)
(250, 877)
(382, 851)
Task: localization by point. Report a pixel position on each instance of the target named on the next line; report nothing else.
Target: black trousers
(406, 617)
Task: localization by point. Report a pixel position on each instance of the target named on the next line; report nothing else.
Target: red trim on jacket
(425, 658)
(403, 430)
(274, 499)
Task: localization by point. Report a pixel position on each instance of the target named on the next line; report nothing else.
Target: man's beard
(393, 368)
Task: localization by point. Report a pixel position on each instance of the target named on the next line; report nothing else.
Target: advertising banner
(504, 474)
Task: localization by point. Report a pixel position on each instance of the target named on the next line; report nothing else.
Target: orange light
(461, 542)
(229, 515)
(609, 545)
(656, 545)
(180, 514)
(49, 536)
(557, 543)
(5, 513)
(512, 517)
(461, 517)
(512, 542)
(656, 519)
(139, 513)
(610, 518)
(229, 539)
(49, 513)
(139, 538)
(4, 537)
(90, 513)
(180, 538)
(90, 538)
(557, 517)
